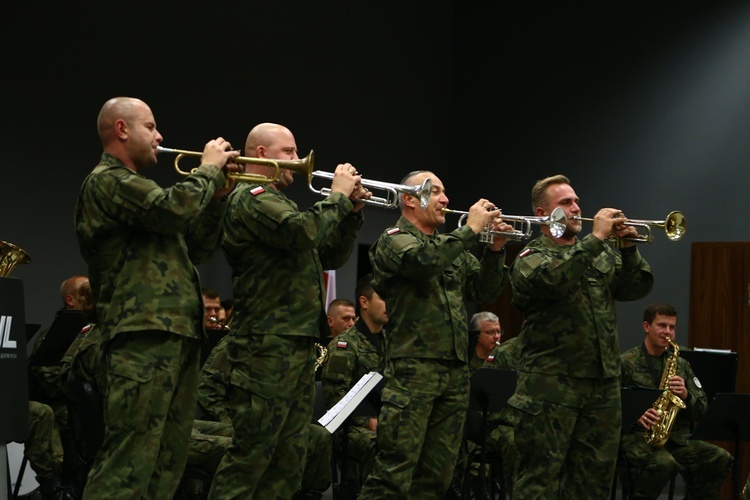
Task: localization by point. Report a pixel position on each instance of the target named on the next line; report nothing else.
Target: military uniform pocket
(130, 394)
(526, 403)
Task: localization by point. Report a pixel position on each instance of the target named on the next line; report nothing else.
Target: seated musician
(654, 454)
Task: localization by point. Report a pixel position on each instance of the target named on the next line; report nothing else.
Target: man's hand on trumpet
(611, 221)
(498, 226)
(347, 180)
(218, 152)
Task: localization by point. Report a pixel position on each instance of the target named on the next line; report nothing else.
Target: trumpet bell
(675, 225)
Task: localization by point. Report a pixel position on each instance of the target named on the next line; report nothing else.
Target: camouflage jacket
(278, 254)
(82, 361)
(425, 280)
(352, 354)
(505, 356)
(212, 386)
(140, 242)
(639, 369)
(567, 294)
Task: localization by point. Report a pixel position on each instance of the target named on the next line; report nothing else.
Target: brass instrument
(10, 257)
(220, 324)
(667, 405)
(674, 226)
(305, 166)
(301, 166)
(390, 200)
(322, 355)
(555, 221)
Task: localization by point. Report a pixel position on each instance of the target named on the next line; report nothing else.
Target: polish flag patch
(525, 253)
(257, 190)
(490, 358)
(341, 344)
(86, 328)
(393, 231)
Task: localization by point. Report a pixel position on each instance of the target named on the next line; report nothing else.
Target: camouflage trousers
(419, 429)
(651, 469)
(43, 447)
(149, 405)
(317, 474)
(208, 443)
(567, 433)
(271, 396)
(361, 453)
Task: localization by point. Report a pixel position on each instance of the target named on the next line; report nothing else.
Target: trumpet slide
(674, 226)
(522, 225)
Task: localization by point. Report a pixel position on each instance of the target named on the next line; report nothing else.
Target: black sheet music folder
(717, 371)
(67, 324)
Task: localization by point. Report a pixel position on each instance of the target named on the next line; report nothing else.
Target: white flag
(329, 278)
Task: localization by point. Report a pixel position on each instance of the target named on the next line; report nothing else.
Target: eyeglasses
(493, 332)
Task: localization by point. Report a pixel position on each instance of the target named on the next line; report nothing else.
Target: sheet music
(341, 410)
(706, 349)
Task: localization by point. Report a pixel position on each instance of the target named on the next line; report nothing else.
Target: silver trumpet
(521, 223)
(391, 191)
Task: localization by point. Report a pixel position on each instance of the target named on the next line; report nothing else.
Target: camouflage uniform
(652, 468)
(425, 280)
(277, 255)
(567, 399)
(46, 386)
(500, 438)
(214, 403)
(351, 355)
(141, 242)
(43, 447)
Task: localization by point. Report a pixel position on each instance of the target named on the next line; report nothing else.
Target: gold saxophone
(667, 405)
(322, 355)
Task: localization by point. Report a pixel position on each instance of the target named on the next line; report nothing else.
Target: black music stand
(66, 326)
(489, 393)
(14, 397)
(717, 371)
(727, 419)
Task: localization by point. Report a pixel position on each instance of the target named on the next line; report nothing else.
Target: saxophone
(322, 353)
(667, 405)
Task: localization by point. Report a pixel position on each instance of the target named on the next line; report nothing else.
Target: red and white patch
(86, 328)
(393, 231)
(257, 190)
(525, 253)
(341, 344)
(490, 358)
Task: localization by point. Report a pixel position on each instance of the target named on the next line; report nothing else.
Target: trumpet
(674, 226)
(301, 166)
(305, 166)
(521, 224)
(390, 200)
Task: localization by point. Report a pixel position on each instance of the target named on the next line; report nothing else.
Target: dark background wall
(644, 105)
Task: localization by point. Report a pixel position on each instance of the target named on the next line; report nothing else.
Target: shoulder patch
(341, 344)
(490, 358)
(697, 383)
(393, 231)
(257, 190)
(525, 253)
